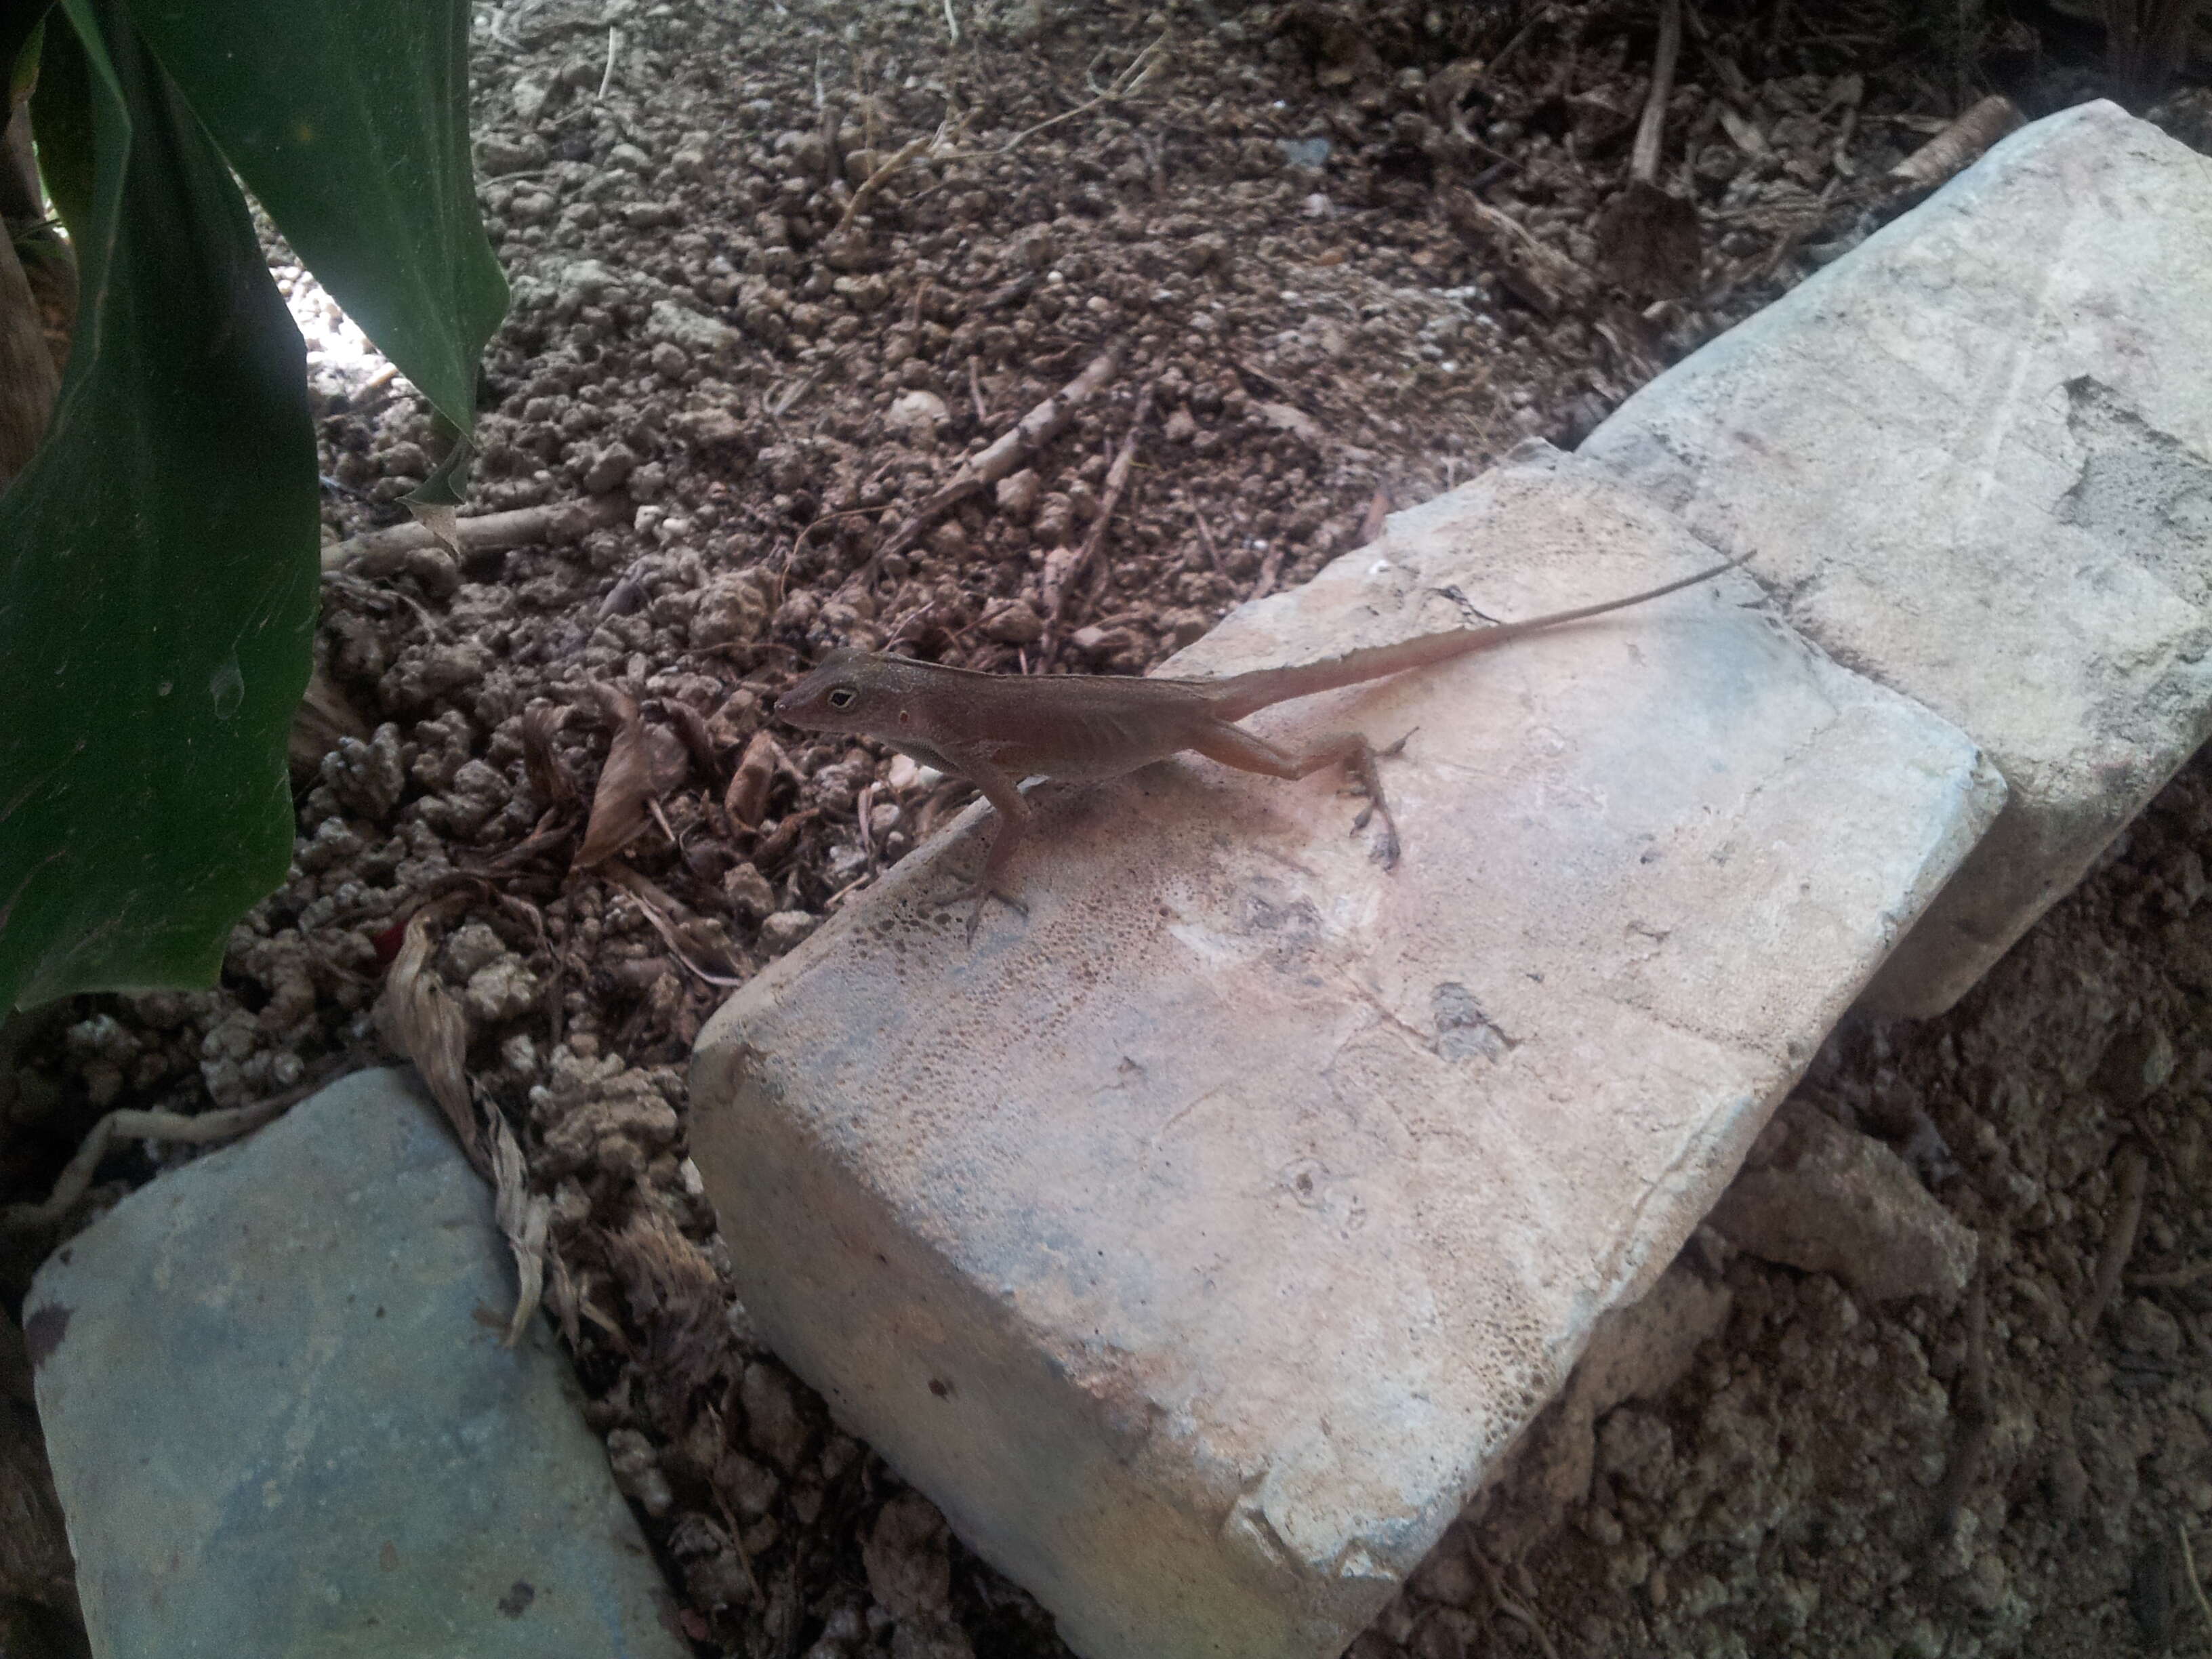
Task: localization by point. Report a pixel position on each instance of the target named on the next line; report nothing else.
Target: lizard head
(842, 693)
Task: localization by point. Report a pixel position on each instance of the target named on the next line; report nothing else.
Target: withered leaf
(419, 1017)
(1648, 241)
(1059, 566)
(777, 846)
(618, 805)
(1377, 515)
(747, 800)
(549, 775)
(523, 1217)
(674, 1294)
(691, 725)
(1958, 145)
(702, 947)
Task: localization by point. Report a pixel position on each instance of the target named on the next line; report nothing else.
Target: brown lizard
(995, 730)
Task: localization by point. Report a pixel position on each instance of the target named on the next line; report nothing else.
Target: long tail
(1243, 693)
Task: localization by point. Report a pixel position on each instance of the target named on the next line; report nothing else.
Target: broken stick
(381, 552)
(1117, 480)
(1036, 429)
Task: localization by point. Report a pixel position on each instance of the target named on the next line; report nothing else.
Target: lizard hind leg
(1232, 746)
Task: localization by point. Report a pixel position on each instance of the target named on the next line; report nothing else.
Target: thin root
(127, 1125)
(2189, 1567)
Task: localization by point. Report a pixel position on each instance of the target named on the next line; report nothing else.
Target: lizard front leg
(1005, 794)
(1232, 746)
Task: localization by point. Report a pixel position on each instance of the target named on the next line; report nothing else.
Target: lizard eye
(841, 697)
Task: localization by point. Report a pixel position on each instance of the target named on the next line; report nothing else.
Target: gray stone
(786, 928)
(1973, 460)
(1199, 1242)
(692, 330)
(1817, 1196)
(282, 1422)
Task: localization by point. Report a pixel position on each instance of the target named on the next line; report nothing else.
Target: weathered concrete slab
(1198, 1243)
(1974, 460)
(281, 1421)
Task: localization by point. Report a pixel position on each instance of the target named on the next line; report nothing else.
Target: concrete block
(282, 1422)
(1199, 1241)
(1974, 461)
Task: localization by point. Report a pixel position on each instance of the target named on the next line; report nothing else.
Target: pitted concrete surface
(1974, 461)
(1199, 1242)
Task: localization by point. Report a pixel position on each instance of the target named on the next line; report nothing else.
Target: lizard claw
(980, 896)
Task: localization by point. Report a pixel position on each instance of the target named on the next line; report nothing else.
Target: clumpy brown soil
(777, 269)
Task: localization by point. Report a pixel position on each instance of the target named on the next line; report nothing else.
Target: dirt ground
(778, 269)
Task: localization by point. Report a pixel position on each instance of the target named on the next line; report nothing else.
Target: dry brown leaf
(1060, 565)
(523, 1217)
(419, 1018)
(691, 726)
(1958, 145)
(674, 1295)
(747, 800)
(1377, 515)
(560, 1293)
(618, 805)
(671, 767)
(549, 777)
(681, 931)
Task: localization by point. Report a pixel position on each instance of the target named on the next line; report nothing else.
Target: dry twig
(2120, 1237)
(882, 176)
(1975, 1419)
(1130, 80)
(1034, 429)
(614, 51)
(2189, 1567)
(1117, 480)
(197, 1128)
(2174, 1279)
(379, 552)
(661, 910)
(1643, 160)
(1512, 1608)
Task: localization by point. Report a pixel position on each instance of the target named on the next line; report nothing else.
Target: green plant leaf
(347, 119)
(158, 558)
(19, 42)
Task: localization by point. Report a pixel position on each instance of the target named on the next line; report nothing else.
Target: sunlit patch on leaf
(435, 501)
